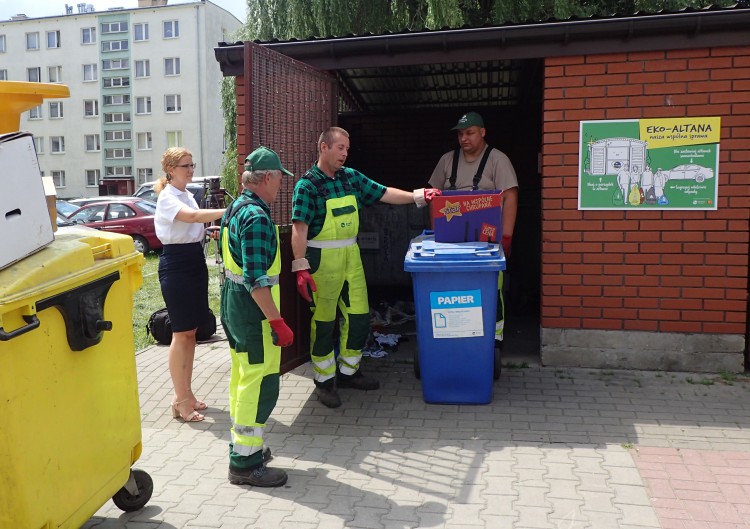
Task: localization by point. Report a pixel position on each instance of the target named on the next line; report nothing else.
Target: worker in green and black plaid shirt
(255, 330)
(325, 216)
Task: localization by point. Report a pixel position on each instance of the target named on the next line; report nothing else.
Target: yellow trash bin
(71, 425)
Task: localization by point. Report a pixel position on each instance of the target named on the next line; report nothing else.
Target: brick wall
(664, 271)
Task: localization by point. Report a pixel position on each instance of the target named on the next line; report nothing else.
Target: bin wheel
(132, 502)
(498, 367)
(417, 372)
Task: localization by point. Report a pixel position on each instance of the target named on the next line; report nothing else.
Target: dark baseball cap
(470, 119)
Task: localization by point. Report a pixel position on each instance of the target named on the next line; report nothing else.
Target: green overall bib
(336, 267)
(254, 378)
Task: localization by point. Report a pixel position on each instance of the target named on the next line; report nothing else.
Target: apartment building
(141, 80)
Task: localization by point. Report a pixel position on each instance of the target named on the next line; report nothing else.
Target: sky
(49, 8)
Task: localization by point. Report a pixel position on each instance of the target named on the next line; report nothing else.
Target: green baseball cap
(470, 119)
(264, 159)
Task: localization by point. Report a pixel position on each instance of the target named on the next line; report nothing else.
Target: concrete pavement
(556, 449)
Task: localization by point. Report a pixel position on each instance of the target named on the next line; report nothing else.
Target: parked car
(197, 187)
(133, 216)
(690, 171)
(65, 208)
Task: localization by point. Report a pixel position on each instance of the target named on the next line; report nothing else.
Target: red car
(130, 217)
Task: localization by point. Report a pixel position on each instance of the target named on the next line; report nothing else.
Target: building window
(3, 75)
(55, 109)
(142, 68)
(171, 29)
(143, 105)
(2, 43)
(114, 154)
(118, 171)
(90, 72)
(141, 32)
(115, 45)
(143, 141)
(117, 117)
(53, 39)
(59, 178)
(92, 143)
(117, 135)
(172, 66)
(173, 103)
(174, 138)
(114, 82)
(114, 64)
(34, 75)
(88, 35)
(55, 74)
(36, 112)
(119, 99)
(114, 27)
(145, 175)
(92, 177)
(90, 108)
(32, 41)
(57, 144)
(39, 144)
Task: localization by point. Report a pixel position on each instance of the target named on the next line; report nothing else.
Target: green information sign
(666, 163)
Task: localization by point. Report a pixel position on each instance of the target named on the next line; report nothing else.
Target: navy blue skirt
(183, 277)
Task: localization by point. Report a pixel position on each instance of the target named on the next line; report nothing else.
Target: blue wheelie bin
(455, 297)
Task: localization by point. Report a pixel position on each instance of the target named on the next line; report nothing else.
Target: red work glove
(430, 193)
(281, 333)
(505, 243)
(305, 283)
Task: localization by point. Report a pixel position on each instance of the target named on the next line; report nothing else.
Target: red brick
(586, 69)
(730, 97)
(554, 71)
(603, 302)
(723, 328)
(660, 315)
(581, 312)
(732, 73)
(625, 67)
(606, 102)
(557, 82)
(677, 326)
(641, 325)
(678, 281)
(710, 63)
(642, 303)
(620, 314)
(665, 88)
(681, 304)
(609, 80)
(582, 115)
(667, 64)
(709, 86)
(688, 75)
(612, 325)
(646, 101)
(664, 112)
(625, 90)
(646, 78)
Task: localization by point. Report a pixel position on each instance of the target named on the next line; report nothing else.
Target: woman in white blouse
(183, 274)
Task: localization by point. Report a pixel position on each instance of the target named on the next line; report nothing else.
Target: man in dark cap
(477, 166)
(255, 330)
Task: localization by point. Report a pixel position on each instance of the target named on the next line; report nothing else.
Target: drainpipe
(198, 80)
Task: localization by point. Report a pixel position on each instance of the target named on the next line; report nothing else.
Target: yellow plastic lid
(18, 96)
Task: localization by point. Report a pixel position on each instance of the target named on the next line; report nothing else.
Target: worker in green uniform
(325, 216)
(251, 318)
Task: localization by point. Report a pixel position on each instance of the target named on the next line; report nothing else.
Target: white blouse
(169, 230)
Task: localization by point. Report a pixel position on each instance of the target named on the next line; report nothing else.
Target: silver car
(690, 171)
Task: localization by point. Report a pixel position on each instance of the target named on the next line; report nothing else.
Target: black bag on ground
(160, 327)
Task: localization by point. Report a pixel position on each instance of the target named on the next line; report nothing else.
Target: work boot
(261, 476)
(356, 381)
(328, 395)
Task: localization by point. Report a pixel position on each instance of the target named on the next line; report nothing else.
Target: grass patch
(148, 299)
(513, 365)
